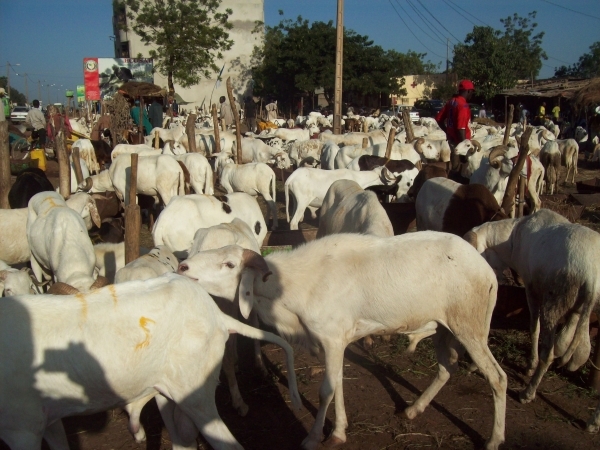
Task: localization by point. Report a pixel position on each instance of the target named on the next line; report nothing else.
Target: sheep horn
(471, 238)
(89, 182)
(476, 147)
(253, 260)
(418, 144)
(497, 151)
(60, 288)
(100, 282)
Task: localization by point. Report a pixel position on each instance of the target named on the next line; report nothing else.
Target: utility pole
(8, 79)
(339, 59)
(447, 56)
(26, 91)
(40, 90)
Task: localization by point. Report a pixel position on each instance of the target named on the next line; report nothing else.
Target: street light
(8, 78)
(48, 86)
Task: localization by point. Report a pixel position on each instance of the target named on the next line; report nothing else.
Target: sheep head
(496, 155)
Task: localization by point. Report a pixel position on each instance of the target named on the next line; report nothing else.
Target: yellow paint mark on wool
(113, 294)
(51, 201)
(84, 306)
(144, 321)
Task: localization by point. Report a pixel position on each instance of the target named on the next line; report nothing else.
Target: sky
(48, 39)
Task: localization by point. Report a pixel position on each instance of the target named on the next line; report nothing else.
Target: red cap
(466, 85)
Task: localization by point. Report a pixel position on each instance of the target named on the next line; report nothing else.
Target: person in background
(225, 113)
(556, 113)
(542, 113)
(250, 114)
(135, 115)
(56, 122)
(5, 104)
(524, 114)
(36, 120)
(271, 109)
(455, 116)
(482, 112)
(175, 107)
(156, 114)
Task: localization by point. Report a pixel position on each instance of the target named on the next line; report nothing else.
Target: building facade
(236, 62)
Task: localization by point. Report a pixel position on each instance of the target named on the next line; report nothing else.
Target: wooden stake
(365, 142)
(64, 171)
(511, 186)
(522, 183)
(77, 165)
(4, 165)
(236, 117)
(410, 135)
(509, 118)
(141, 124)
(133, 218)
(216, 128)
(390, 142)
(190, 130)
(156, 138)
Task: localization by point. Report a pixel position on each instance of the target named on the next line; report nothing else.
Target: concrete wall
(236, 60)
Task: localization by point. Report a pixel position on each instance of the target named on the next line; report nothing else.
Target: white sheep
(338, 289)
(154, 263)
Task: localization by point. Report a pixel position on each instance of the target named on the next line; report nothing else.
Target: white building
(236, 61)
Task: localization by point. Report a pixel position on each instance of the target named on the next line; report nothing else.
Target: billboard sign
(80, 93)
(104, 76)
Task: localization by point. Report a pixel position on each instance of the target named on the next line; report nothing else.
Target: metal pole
(26, 91)
(339, 60)
(4, 164)
(8, 79)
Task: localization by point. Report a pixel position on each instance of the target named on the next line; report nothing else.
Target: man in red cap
(455, 116)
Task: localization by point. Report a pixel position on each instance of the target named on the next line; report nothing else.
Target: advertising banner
(104, 76)
(80, 93)
(90, 78)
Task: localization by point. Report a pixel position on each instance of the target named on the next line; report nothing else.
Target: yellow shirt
(542, 111)
(556, 111)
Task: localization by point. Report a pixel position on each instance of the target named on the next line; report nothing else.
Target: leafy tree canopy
(15, 96)
(297, 57)
(495, 60)
(588, 65)
(189, 35)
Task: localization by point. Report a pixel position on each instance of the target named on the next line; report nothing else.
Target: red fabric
(457, 114)
(91, 78)
(466, 85)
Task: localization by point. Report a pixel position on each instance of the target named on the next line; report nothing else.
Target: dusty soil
(378, 384)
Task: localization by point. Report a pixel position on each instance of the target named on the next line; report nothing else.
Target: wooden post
(594, 380)
(410, 135)
(365, 127)
(141, 124)
(339, 65)
(508, 122)
(77, 165)
(64, 169)
(190, 130)
(511, 186)
(213, 111)
(133, 218)
(156, 138)
(390, 142)
(236, 117)
(4, 165)
(365, 142)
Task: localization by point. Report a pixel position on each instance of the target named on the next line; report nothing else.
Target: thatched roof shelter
(135, 89)
(587, 96)
(553, 87)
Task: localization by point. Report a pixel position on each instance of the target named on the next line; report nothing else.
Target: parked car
(19, 114)
(396, 110)
(428, 108)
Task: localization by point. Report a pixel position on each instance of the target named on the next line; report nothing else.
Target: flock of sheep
(124, 334)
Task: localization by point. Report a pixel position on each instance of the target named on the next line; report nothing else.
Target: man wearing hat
(5, 104)
(455, 116)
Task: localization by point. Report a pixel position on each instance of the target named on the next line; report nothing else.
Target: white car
(19, 114)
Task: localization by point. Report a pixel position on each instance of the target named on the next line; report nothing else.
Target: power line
(434, 18)
(572, 10)
(453, 5)
(415, 36)
(440, 38)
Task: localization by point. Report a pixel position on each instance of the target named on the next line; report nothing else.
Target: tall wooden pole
(511, 186)
(339, 60)
(4, 164)
(77, 165)
(213, 111)
(190, 130)
(508, 123)
(64, 171)
(236, 117)
(133, 218)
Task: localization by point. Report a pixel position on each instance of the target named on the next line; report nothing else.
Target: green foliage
(588, 65)
(495, 60)
(15, 96)
(297, 57)
(188, 35)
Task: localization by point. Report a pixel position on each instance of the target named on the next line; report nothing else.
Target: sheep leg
(134, 410)
(55, 436)
(22, 439)
(298, 214)
(258, 359)
(493, 373)
(594, 423)
(183, 435)
(313, 211)
(546, 357)
(334, 363)
(447, 349)
(534, 328)
(229, 368)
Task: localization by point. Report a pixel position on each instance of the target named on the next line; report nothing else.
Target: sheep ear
(94, 213)
(3, 275)
(246, 292)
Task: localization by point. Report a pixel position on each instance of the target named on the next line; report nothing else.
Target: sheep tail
(287, 198)
(236, 326)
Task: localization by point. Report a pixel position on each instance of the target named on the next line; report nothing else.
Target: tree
(189, 35)
(588, 65)
(297, 57)
(495, 60)
(15, 96)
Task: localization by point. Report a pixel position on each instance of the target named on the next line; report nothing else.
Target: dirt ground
(378, 384)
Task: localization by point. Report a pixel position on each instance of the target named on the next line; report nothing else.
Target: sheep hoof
(592, 428)
(242, 410)
(334, 441)
(525, 397)
(411, 412)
